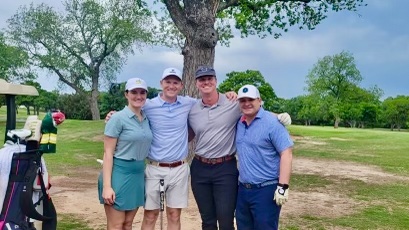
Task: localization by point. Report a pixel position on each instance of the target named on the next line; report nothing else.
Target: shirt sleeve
(113, 127)
(280, 137)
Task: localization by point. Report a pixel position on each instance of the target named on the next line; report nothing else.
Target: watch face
(281, 191)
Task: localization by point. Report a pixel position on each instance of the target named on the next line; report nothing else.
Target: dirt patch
(307, 141)
(77, 194)
(344, 169)
(323, 204)
(338, 139)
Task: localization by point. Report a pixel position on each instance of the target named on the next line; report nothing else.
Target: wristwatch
(282, 188)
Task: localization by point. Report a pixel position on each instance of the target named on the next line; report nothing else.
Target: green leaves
(86, 45)
(396, 111)
(235, 80)
(13, 62)
(270, 17)
(333, 75)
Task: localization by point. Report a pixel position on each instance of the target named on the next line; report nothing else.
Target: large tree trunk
(196, 22)
(94, 106)
(336, 123)
(194, 55)
(94, 98)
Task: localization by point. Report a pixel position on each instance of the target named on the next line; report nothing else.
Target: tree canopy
(13, 62)
(84, 46)
(235, 80)
(332, 79)
(396, 111)
(196, 26)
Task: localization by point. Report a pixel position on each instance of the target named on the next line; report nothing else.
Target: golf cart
(23, 174)
(11, 90)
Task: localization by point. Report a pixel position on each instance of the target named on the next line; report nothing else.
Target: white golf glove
(284, 118)
(281, 194)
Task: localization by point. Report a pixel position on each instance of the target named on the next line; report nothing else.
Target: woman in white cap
(127, 141)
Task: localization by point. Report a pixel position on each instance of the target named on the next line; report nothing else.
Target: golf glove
(284, 118)
(281, 194)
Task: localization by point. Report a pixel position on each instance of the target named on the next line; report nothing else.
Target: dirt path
(78, 196)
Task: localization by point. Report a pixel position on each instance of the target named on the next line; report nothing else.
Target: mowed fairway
(343, 178)
(348, 179)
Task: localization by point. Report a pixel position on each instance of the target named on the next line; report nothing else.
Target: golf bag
(26, 190)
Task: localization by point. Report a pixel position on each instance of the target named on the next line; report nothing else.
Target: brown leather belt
(169, 165)
(214, 161)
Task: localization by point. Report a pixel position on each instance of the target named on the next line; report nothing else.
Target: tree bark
(336, 123)
(195, 55)
(196, 22)
(94, 97)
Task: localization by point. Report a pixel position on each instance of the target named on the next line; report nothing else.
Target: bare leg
(149, 219)
(115, 218)
(129, 216)
(173, 217)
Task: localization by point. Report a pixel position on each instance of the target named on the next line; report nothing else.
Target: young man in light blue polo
(168, 114)
(264, 148)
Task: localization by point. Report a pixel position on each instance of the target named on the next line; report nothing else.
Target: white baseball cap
(249, 91)
(136, 83)
(172, 72)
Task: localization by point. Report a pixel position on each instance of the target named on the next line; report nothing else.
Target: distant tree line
(333, 97)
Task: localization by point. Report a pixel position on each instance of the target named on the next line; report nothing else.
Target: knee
(127, 224)
(173, 215)
(150, 216)
(115, 225)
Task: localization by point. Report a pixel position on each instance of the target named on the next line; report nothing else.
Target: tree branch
(71, 51)
(227, 4)
(176, 13)
(254, 6)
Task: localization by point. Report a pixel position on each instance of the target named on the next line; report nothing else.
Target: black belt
(261, 185)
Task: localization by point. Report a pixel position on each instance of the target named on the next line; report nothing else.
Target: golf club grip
(162, 201)
(162, 194)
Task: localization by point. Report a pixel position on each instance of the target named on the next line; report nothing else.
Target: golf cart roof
(15, 89)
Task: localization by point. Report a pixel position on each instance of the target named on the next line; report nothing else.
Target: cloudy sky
(377, 36)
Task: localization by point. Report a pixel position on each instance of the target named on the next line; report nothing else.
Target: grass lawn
(382, 205)
(385, 204)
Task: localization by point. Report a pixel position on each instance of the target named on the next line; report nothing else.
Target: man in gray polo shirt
(214, 174)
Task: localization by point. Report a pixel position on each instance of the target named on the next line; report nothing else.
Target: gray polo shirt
(215, 127)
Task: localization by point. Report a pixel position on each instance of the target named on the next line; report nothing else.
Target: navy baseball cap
(205, 71)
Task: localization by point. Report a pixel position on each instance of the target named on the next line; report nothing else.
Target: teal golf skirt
(128, 183)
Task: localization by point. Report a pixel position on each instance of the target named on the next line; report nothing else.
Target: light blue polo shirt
(259, 146)
(134, 136)
(169, 127)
